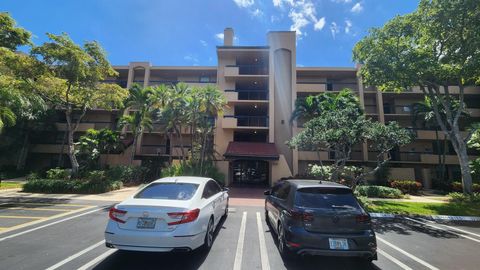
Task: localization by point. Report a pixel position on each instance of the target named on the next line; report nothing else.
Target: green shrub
(58, 173)
(378, 192)
(32, 176)
(457, 187)
(364, 201)
(96, 176)
(70, 186)
(465, 198)
(128, 175)
(407, 186)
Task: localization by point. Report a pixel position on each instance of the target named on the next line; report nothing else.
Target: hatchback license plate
(146, 223)
(338, 243)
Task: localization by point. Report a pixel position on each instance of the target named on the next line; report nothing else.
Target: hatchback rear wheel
(285, 252)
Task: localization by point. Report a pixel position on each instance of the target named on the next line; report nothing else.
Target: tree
(93, 144)
(474, 143)
(139, 107)
(76, 86)
(12, 36)
(339, 128)
(431, 48)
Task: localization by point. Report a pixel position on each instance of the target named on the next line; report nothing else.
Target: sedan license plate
(146, 223)
(338, 243)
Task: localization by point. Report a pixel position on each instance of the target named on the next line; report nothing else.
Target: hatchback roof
(302, 183)
(183, 179)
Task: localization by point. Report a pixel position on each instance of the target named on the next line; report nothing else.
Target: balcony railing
(251, 94)
(250, 121)
(174, 82)
(328, 86)
(251, 69)
(397, 109)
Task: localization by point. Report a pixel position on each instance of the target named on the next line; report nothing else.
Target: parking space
(16, 214)
(243, 241)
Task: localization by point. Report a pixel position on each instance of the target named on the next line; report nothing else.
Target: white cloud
(191, 58)
(302, 13)
(348, 26)
(257, 13)
(219, 36)
(357, 8)
(319, 24)
(334, 29)
(244, 3)
(203, 42)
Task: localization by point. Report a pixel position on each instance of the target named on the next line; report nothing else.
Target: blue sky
(181, 32)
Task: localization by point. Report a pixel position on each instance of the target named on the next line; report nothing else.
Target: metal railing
(250, 121)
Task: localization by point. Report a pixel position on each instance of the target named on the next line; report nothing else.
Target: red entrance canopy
(251, 150)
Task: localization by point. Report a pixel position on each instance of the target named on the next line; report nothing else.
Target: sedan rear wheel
(209, 235)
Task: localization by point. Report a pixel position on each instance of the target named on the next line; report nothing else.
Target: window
(281, 191)
(329, 198)
(211, 188)
(168, 191)
(204, 79)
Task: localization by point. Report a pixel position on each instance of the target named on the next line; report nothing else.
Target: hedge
(378, 192)
(457, 187)
(79, 186)
(407, 186)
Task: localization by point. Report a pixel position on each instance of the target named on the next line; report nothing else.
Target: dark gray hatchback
(319, 218)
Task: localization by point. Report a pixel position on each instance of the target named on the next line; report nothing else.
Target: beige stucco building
(261, 84)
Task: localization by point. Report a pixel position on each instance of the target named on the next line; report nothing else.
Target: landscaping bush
(128, 175)
(58, 173)
(70, 186)
(457, 187)
(364, 202)
(407, 186)
(378, 192)
(465, 198)
(32, 176)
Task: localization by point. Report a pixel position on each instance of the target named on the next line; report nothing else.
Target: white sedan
(169, 214)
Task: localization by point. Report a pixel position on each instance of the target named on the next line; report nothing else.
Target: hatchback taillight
(301, 215)
(364, 218)
(116, 214)
(184, 217)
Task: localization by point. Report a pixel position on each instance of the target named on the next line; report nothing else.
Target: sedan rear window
(338, 198)
(168, 191)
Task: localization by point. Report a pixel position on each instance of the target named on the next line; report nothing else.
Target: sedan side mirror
(267, 193)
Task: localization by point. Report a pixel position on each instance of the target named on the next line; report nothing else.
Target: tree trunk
(22, 157)
(60, 158)
(134, 148)
(71, 146)
(464, 164)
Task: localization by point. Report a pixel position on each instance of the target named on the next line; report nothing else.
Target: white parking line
(49, 224)
(445, 230)
(237, 265)
(76, 255)
(457, 229)
(263, 246)
(393, 259)
(97, 259)
(420, 261)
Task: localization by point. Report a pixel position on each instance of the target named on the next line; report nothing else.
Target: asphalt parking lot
(71, 237)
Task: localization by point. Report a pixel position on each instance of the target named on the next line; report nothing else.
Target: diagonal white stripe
(74, 256)
(237, 265)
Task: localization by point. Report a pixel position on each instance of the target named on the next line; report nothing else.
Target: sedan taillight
(184, 217)
(301, 215)
(115, 214)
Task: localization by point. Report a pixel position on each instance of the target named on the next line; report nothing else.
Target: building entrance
(250, 172)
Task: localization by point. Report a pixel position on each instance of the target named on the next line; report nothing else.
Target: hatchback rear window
(339, 198)
(168, 191)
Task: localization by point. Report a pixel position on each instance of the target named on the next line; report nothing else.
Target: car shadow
(406, 227)
(322, 262)
(157, 260)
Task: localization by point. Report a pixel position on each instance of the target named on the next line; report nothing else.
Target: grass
(10, 185)
(418, 208)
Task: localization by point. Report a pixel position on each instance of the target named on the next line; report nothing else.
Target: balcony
(313, 87)
(242, 121)
(245, 70)
(153, 150)
(46, 148)
(371, 109)
(401, 110)
(246, 95)
(193, 83)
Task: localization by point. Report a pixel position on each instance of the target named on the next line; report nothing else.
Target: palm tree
(139, 104)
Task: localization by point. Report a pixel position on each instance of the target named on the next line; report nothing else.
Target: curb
(430, 217)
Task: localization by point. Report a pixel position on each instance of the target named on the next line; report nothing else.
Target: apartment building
(261, 84)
